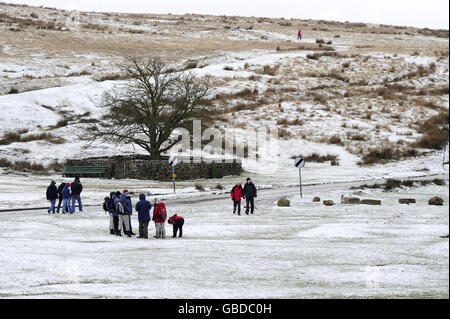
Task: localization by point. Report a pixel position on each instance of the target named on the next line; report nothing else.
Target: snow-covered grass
(306, 251)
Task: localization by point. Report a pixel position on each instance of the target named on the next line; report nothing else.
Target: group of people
(66, 194)
(248, 192)
(120, 210)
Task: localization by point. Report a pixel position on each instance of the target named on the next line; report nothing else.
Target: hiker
(52, 196)
(76, 188)
(250, 193)
(115, 198)
(143, 208)
(126, 199)
(124, 216)
(236, 196)
(107, 209)
(159, 217)
(60, 197)
(299, 34)
(177, 222)
(66, 195)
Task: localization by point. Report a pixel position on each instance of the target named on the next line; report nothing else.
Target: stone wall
(140, 167)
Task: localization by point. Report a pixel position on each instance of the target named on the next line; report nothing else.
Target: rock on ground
(436, 201)
(328, 202)
(370, 202)
(350, 200)
(407, 201)
(284, 202)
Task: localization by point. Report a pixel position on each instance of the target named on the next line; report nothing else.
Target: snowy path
(306, 251)
(266, 196)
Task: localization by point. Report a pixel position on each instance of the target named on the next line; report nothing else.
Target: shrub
(9, 138)
(5, 163)
(199, 187)
(435, 132)
(335, 139)
(268, 70)
(322, 99)
(219, 187)
(13, 90)
(317, 158)
(334, 163)
(12, 137)
(387, 153)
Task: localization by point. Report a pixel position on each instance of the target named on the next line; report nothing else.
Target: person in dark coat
(143, 208)
(177, 222)
(60, 197)
(113, 211)
(52, 196)
(66, 195)
(250, 193)
(126, 200)
(76, 189)
(236, 195)
(107, 207)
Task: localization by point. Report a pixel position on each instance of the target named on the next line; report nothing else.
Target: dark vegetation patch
(317, 158)
(385, 154)
(392, 184)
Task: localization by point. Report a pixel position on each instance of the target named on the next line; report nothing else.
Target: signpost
(300, 162)
(173, 161)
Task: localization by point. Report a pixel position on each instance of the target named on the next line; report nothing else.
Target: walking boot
(112, 232)
(119, 233)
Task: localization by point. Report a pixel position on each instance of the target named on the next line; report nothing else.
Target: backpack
(162, 211)
(112, 207)
(120, 208)
(105, 206)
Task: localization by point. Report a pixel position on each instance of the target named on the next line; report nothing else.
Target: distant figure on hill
(299, 34)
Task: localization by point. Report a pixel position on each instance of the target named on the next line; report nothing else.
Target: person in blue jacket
(66, 195)
(143, 208)
(113, 211)
(115, 202)
(125, 199)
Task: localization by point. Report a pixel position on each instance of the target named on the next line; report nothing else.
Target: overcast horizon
(430, 14)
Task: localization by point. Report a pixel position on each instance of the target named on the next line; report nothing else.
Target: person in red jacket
(236, 195)
(177, 222)
(299, 34)
(159, 217)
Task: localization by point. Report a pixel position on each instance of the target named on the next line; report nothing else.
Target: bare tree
(147, 110)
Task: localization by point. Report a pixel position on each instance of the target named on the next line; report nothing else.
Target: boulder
(190, 64)
(407, 201)
(328, 202)
(350, 200)
(370, 202)
(436, 201)
(316, 199)
(284, 202)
